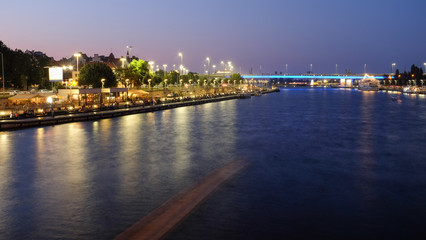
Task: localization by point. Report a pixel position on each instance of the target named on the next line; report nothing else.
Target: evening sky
(250, 33)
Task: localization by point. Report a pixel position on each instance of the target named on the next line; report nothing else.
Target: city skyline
(263, 36)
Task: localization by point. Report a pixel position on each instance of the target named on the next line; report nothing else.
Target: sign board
(56, 74)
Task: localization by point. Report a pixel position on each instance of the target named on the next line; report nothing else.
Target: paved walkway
(167, 216)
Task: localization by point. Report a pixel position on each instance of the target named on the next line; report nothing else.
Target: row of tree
(414, 76)
(22, 70)
(137, 74)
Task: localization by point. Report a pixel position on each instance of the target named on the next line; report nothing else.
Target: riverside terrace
(54, 114)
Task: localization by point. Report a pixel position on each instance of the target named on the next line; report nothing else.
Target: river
(325, 163)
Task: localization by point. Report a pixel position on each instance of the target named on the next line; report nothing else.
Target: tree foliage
(91, 74)
(22, 70)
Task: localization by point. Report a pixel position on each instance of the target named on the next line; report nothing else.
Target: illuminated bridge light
(305, 77)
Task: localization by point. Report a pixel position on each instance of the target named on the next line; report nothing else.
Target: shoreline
(10, 125)
(6, 125)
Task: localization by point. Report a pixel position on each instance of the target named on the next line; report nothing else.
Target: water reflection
(366, 143)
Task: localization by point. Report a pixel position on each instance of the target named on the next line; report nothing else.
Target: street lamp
(103, 82)
(151, 64)
(165, 68)
(393, 65)
(122, 61)
(214, 69)
(149, 83)
(77, 55)
(2, 70)
(424, 64)
(208, 65)
(181, 61)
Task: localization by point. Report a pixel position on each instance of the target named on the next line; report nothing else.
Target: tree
(91, 74)
(139, 70)
(237, 77)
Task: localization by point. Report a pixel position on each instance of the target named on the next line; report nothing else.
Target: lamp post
(365, 68)
(393, 65)
(424, 64)
(181, 61)
(208, 65)
(286, 68)
(336, 68)
(214, 69)
(77, 55)
(149, 83)
(2, 69)
(103, 82)
(122, 61)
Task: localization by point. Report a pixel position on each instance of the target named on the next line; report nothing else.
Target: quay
(78, 117)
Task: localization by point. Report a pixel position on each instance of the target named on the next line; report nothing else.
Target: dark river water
(325, 164)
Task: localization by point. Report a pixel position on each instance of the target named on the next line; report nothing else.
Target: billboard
(56, 74)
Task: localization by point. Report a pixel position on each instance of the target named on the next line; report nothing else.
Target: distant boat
(368, 83)
(411, 89)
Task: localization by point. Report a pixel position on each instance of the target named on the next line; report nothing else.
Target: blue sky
(249, 33)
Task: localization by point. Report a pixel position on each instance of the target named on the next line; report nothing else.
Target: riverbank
(78, 117)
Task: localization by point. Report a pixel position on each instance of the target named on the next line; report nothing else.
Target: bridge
(311, 76)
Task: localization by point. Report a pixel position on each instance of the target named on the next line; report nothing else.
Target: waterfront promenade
(77, 117)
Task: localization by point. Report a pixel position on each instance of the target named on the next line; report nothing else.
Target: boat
(411, 89)
(368, 83)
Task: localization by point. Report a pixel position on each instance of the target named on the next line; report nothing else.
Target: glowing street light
(103, 82)
(181, 60)
(151, 64)
(123, 59)
(208, 65)
(165, 68)
(77, 55)
(214, 69)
